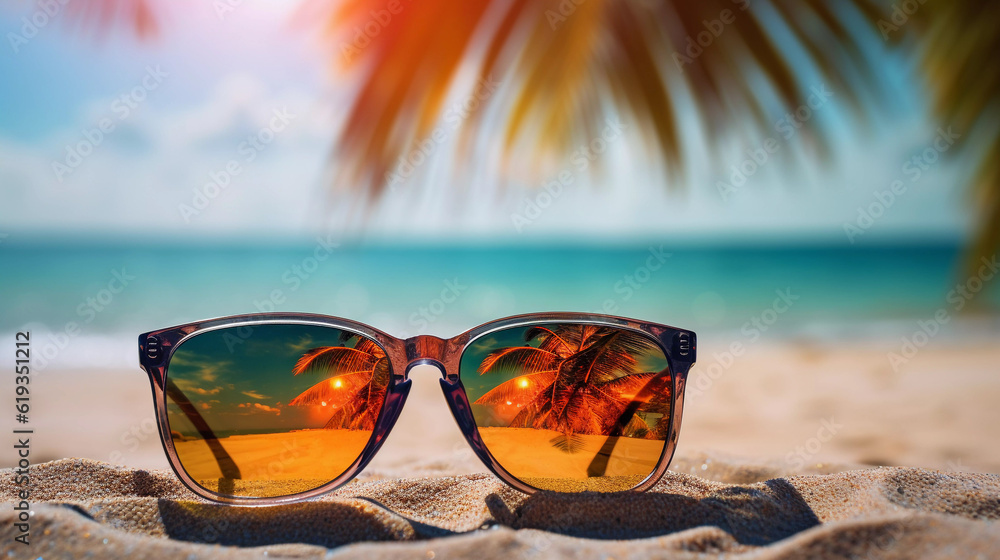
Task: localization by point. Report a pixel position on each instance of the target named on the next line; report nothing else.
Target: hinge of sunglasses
(683, 345)
(152, 351)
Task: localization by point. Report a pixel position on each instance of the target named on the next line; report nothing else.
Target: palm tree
(958, 46)
(355, 390)
(577, 380)
(651, 59)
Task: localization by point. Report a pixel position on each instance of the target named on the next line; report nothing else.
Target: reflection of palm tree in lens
(578, 380)
(356, 389)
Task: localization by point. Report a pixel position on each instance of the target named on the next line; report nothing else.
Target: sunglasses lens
(273, 410)
(570, 407)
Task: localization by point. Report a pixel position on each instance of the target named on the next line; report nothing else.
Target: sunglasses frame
(157, 347)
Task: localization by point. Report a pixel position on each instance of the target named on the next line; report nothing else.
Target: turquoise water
(443, 291)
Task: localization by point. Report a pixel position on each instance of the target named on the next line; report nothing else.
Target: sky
(227, 124)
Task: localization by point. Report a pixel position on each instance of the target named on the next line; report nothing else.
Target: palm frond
(329, 393)
(565, 69)
(518, 360)
(104, 14)
(607, 357)
(636, 428)
(618, 51)
(569, 402)
(959, 48)
(520, 390)
(629, 387)
(561, 340)
(355, 415)
(358, 389)
(567, 443)
(368, 346)
(337, 359)
(535, 414)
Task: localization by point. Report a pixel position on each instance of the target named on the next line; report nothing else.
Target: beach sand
(84, 507)
(777, 459)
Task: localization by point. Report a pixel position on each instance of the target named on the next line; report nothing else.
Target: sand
(779, 458)
(83, 506)
(276, 464)
(529, 455)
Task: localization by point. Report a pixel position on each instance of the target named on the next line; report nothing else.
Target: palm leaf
(561, 340)
(358, 389)
(101, 15)
(549, 91)
(328, 392)
(568, 443)
(571, 405)
(565, 71)
(355, 415)
(337, 359)
(361, 412)
(618, 51)
(628, 387)
(518, 360)
(520, 390)
(535, 414)
(958, 55)
(607, 357)
(368, 346)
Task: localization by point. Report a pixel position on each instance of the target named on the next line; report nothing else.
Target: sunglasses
(278, 407)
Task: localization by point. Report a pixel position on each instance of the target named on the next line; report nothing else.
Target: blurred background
(810, 186)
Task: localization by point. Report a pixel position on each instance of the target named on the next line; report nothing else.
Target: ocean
(113, 292)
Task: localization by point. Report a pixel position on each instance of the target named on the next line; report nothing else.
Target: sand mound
(85, 507)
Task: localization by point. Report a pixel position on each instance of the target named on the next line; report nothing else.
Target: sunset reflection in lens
(273, 410)
(570, 407)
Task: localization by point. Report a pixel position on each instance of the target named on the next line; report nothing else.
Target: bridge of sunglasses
(426, 350)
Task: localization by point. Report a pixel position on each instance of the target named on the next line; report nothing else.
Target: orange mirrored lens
(273, 410)
(570, 407)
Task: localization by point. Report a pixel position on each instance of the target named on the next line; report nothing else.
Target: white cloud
(163, 153)
(254, 395)
(153, 160)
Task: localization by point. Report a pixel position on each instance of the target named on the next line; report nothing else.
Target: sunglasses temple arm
(226, 464)
(599, 465)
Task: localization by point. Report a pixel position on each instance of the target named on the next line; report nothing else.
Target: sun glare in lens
(273, 410)
(570, 407)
